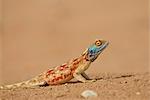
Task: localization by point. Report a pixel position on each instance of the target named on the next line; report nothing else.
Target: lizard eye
(98, 43)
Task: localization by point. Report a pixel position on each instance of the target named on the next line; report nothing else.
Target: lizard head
(95, 49)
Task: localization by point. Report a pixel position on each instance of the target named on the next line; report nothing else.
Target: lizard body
(74, 68)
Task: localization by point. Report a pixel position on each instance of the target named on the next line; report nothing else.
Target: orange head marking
(98, 42)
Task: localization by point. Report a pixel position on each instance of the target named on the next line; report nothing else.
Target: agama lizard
(74, 68)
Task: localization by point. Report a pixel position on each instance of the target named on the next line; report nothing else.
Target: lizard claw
(92, 80)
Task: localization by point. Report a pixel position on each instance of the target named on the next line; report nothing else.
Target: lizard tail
(16, 85)
(37, 81)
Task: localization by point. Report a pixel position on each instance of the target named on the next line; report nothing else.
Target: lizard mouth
(104, 45)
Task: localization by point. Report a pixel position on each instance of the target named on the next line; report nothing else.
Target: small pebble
(66, 84)
(88, 93)
(138, 93)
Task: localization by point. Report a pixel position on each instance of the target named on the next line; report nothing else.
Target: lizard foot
(91, 80)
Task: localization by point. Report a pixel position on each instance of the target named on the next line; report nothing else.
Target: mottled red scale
(62, 67)
(53, 80)
(57, 78)
(51, 71)
(66, 75)
(75, 59)
(75, 63)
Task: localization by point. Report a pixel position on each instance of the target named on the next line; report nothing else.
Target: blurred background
(39, 34)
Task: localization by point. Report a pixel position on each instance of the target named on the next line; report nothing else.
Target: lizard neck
(81, 61)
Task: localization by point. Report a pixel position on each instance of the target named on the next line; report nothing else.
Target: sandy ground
(109, 86)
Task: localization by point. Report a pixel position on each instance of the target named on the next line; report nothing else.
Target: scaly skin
(72, 69)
